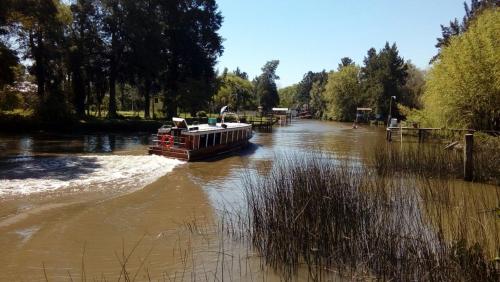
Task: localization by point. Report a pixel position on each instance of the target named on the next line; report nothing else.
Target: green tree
(113, 31)
(266, 86)
(344, 62)
(343, 93)
(235, 92)
(8, 56)
(463, 89)
(318, 101)
(384, 75)
(193, 46)
(288, 96)
(456, 28)
(305, 85)
(85, 51)
(240, 73)
(414, 87)
(42, 32)
(144, 41)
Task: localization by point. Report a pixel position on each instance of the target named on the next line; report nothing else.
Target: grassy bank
(309, 212)
(434, 161)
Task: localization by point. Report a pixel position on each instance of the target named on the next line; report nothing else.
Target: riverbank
(17, 123)
(23, 124)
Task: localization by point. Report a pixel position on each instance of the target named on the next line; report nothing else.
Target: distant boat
(202, 141)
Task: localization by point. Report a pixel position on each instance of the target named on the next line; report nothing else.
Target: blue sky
(314, 35)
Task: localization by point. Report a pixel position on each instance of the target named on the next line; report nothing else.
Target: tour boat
(201, 141)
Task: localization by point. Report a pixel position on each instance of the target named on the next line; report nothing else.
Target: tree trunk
(39, 63)
(87, 93)
(112, 93)
(112, 79)
(79, 92)
(147, 90)
(122, 96)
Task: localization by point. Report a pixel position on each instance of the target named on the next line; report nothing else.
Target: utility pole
(390, 111)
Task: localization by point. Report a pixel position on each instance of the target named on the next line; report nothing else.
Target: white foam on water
(89, 172)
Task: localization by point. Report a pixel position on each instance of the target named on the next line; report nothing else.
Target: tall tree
(463, 88)
(343, 93)
(235, 92)
(85, 51)
(384, 75)
(193, 42)
(305, 85)
(414, 87)
(304, 88)
(143, 37)
(114, 16)
(266, 86)
(42, 27)
(240, 73)
(456, 28)
(288, 96)
(42, 31)
(344, 62)
(8, 56)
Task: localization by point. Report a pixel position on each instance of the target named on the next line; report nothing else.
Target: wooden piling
(468, 157)
(389, 135)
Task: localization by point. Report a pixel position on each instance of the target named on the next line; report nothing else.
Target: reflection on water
(22, 146)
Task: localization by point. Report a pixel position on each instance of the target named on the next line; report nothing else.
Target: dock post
(468, 157)
(389, 135)
(420, 139)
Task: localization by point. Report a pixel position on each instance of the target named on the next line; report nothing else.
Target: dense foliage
(81, 52)
(235, 91)
(337, 94)
(463, 89)
(265, 86)
(456, 28)
(343, 93)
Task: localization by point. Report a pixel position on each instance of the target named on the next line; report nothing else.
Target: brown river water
(79, 206)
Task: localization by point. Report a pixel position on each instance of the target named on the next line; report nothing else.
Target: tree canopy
(236, 92)
(463, 89)
(343, 93)
(383, 75)
(81, 51)
(265, 86)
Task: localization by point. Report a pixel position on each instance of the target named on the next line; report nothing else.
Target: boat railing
(179, 141)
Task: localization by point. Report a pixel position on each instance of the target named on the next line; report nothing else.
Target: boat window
(210, 140)
(217, 138)
(203, 141)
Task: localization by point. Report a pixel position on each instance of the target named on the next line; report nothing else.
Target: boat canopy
(180, 122)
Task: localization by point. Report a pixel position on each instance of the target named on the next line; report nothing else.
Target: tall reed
(434, 161)
(311, 212)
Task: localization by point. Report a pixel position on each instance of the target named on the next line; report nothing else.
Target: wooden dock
(262, 124)
(421, 132)
(424, 132)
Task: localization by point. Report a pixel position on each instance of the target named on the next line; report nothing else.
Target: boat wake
(29, 175)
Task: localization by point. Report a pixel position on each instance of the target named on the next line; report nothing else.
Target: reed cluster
(434, 161)
(310, 212)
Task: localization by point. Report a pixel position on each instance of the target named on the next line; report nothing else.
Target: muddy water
(81, 205)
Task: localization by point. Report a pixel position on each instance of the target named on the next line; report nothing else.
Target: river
(77, 205)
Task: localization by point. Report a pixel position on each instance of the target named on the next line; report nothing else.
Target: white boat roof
(206, 129)
(280, 109)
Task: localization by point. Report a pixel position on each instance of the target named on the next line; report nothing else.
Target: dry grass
(311, 212)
